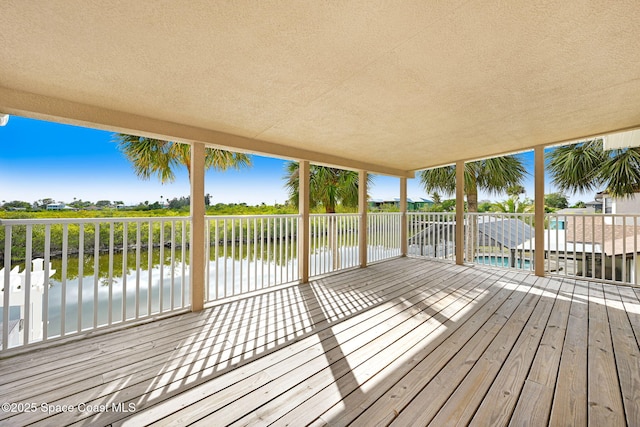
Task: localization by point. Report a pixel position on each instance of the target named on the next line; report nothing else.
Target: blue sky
(41, 159)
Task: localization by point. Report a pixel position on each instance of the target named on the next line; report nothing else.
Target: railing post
(362, 210)
(304, 240)
(404, 244)
(197, 260)
(460, 213)
(538, 260)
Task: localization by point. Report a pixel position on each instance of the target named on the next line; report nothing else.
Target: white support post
(197, 247)
(460, 213)
(404, 246)
(304, 240)
(538, 260)
(362, 210)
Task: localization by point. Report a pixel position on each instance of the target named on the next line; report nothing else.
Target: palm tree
(493, 175)
(586, 166)
(156, 157)
(513, 205)
(327, 186)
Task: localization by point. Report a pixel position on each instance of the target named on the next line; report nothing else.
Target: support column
(538, 260)
(362, 210)
(460, 213)
(197, 258)
(304, 240)
(403, 219)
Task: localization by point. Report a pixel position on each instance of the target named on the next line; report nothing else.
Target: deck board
(402, 342)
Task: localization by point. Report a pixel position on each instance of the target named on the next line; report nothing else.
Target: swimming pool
(502, 261)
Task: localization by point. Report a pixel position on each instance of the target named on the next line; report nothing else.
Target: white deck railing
(601, 247)
(500, 240)
(432, 235)
(249, 253)
(88, 274)
(63, 277)
(384, 236)
(334, 243)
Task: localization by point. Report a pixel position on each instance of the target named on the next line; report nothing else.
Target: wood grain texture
(402, 342)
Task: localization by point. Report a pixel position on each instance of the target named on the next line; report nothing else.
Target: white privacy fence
(61, 277)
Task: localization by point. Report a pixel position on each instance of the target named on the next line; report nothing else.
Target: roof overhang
(389, 87)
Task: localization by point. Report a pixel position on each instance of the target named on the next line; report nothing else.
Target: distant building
(619, 205)
(55, 206)
(413, 205)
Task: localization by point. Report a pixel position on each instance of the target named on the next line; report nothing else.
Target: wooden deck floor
(404, 342)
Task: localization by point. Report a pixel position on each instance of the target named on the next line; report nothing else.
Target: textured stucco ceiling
(390, 86)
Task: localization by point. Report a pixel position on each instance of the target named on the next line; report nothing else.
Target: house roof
(592, 232)
(506, 232)
(389, 87)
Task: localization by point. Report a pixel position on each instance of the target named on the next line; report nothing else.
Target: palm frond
(576, 168)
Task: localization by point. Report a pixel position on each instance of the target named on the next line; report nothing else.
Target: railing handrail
(597, 214)
(251, 216)
(45, 221)
(333, 215)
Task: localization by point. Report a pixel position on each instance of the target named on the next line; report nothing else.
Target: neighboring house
(619, 205)
(499, 239)
(595, 205)
(413, 205)
(559, 222)
(55, 206)
(591, 246)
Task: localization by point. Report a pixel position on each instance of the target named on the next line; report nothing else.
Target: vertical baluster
(635, 250)
(224, 255)
(241, 256)
(255, 253)
(281, 257)
(173, 264)
(287, 246)
(613, 247)
(138, 244)
(624, 249)
(149, 268)
(312, 242)
(584, 246)
(217, 258)
(47, 272)
(593, 247)
(262, 254)
(233, 256)
(207, 250)
(7, 285)
(110, 279)
(27, 285)
(80, 272)
(96, 273)
(602, 256)
(248, 250)
(183, 260)
(63, 284)
(161, 265)
(269, 251)
(125, 267)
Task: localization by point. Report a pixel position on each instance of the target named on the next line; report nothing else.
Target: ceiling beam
(42, 107)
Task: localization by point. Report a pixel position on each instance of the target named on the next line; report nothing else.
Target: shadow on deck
(405, 341)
